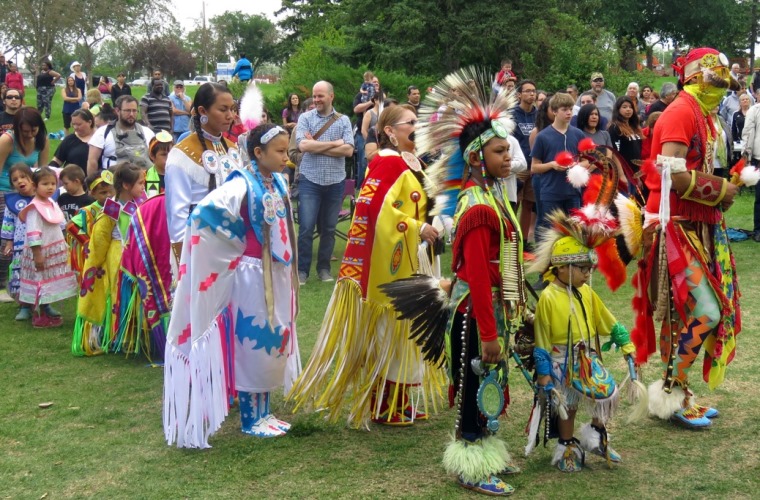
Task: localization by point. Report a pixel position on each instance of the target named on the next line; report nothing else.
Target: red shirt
(679, 123)
(476, 261)
(15, 81)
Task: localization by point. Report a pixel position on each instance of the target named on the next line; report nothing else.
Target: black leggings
(472, 425)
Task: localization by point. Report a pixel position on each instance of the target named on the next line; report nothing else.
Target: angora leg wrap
(662, 404)
(590, 438)
(476, 461)
(559, 452)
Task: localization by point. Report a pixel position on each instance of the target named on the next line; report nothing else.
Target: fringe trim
(474, 217)
(476, 461)
(362, 357)
(195, 390)
(132, 332)
(86, 339)
(696, 212)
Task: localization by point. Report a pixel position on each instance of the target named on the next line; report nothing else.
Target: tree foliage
(165, 52)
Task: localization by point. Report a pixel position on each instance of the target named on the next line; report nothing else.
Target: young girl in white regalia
(233, 324)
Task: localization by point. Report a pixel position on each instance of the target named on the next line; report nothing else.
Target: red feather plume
(594, 187)
(737, 169)
(610, 264)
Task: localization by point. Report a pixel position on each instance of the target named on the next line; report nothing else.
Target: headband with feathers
(460, 99)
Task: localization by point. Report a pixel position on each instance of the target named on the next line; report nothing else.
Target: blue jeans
(547, 204)
(317, 206)
(361, 160)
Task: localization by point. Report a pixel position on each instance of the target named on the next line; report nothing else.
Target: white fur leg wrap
(476, 461)
(559, 452)
(662, 404)
(590, 438)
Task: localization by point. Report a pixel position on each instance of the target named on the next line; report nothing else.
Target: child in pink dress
(46, 276)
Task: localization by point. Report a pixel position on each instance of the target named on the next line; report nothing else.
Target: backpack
(129, 146)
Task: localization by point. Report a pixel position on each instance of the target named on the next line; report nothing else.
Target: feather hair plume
(251, 107)
(461, 98)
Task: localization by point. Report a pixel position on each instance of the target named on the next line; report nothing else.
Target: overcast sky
(191, 9)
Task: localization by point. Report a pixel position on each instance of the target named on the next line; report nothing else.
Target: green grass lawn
(103, 436)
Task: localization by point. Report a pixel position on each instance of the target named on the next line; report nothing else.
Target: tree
(255, 36)
(206, 46)
(305, 18)
(34, 27)
(163, 52)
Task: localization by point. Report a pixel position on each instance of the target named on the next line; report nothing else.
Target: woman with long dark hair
(202, 161)
(291, 113)
(72, 101)
(46, 87)
(625, 131)
(25, 143)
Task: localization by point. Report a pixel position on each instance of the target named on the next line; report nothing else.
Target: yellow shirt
(553, 311)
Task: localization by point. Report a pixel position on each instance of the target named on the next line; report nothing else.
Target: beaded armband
(705, 189)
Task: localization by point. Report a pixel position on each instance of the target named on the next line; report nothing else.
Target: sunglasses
(409, 122)
(597, 80)
(13, 97)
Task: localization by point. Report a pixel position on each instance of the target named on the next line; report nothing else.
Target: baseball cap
(179, 82)
(596, 76)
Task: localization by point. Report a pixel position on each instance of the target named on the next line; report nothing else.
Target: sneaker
(756, 236)
(50, 311)
(263, 429)
(492, 486)
(324, 275)
(302, 277)
(5, 298)
(691, 418)
(24, 314)
(276, 422)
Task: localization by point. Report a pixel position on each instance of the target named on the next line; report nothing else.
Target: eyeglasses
(584, 269)
(409, 122)
(13, 97)
(528, 91)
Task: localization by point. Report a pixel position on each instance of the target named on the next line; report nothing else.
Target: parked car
(140, 82)
(198, 80)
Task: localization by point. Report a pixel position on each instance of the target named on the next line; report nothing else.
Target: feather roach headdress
(460, 99)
